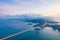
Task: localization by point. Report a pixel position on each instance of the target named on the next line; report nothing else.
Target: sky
(16, 7)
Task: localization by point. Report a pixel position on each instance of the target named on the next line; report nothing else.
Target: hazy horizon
(14, 7)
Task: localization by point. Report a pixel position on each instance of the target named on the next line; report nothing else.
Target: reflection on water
(42, 23)
(37, 35)
(43, 29)
(44, 34)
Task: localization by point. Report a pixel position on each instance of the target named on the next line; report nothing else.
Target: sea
(11, 26)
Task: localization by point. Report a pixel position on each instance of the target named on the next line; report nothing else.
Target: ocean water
(9, 27)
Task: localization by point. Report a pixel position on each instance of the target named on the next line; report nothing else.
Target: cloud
(10, 12)
(28, 6)
(10, 9)
(52, 13)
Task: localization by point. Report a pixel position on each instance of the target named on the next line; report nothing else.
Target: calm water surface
(8, 27)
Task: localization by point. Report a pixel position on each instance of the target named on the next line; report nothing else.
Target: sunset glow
(16, 7)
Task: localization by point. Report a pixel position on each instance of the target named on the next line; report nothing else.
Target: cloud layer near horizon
(45, 7)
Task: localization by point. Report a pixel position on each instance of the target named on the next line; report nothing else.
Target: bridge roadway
(16, 34)
(20, 32)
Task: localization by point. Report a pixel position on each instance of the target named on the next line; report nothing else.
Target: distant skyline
(15, 7)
